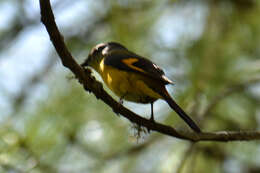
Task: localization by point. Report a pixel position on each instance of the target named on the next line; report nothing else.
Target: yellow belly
(128, 85)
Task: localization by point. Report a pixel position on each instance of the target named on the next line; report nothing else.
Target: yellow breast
(129, 85)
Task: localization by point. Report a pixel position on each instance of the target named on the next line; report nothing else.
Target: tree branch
(91, 85)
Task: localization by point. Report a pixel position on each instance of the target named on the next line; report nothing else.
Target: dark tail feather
(182, 114)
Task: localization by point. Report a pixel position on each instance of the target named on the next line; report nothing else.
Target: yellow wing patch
(129, 62)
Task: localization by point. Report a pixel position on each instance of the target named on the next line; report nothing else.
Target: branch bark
(90, 84)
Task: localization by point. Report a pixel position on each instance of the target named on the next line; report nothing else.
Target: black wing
(128, 61)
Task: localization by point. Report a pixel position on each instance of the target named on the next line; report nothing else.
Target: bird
(133, 77)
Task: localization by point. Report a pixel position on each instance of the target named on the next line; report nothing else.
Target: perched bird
(133, 77)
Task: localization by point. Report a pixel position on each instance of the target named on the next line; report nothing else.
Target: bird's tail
(181, 112)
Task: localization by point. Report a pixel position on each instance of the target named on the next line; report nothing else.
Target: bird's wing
(129, 61)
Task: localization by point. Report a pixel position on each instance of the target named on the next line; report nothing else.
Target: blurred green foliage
(209, 48)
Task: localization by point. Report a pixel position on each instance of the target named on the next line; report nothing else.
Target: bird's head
(99, 52)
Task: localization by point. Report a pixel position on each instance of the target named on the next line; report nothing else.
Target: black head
(115, 45)
(97, 53)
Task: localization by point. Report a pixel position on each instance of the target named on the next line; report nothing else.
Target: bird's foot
(121, 101)
(152, 121)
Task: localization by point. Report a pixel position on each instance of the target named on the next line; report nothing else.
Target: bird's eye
(101, 48)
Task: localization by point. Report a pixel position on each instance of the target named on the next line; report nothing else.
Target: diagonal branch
(90, 84)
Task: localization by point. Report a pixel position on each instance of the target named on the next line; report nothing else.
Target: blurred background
(210, 49)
